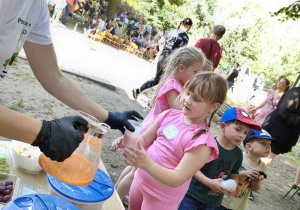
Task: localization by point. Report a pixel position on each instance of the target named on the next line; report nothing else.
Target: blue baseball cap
(257, 134)
(240, 114)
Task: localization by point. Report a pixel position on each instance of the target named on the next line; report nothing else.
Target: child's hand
(253, 174)
(261, 177)
(137, 157)
(216, 186)
(117, 144)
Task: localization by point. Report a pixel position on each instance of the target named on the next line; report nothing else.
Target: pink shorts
(140, 199)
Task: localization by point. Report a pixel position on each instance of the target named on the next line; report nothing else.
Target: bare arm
(229, 73)
(173, 100)
(213, 184)
(256, 184)
(110, 29)
(15, 125)
(255, 176)
(261, 105)
(190, 163)
(149, 135)
(234, 177)
(56, 83)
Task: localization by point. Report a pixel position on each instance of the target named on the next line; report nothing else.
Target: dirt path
(21, 91)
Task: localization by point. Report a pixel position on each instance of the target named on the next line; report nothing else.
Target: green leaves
(290, 12)
(161, 3)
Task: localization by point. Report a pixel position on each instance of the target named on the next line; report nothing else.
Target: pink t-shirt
(174, 138)
(161, 103)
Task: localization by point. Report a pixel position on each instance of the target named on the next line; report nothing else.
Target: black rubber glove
(59, 138)
(117, 120)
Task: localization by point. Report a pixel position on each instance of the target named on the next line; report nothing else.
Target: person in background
(94, 7)
(160, 33)
(284, 123)
(137, 25)
(154, 32)
(148, 29)
(250, 110)
(297, 179)
(172, 40)
(110, 28)
(92, 27)
(206, 190)
(278, 80)
(51, 4)
(270, 103)
(101, 23)
(67, 9)
(123, 16)
(104, 6)
(211, 47)
(87, 6)
(140, 41)
(117, 29)
(252, 172)
(232, 75)
(57, 139)
(59, 6)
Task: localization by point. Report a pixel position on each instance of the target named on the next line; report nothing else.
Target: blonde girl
(178, 144)
(180, 66)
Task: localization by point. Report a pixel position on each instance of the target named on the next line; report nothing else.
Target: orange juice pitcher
(81, 167)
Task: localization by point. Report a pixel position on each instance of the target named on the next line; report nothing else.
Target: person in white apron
(26, 23)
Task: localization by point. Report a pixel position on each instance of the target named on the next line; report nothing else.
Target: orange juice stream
(77, 169)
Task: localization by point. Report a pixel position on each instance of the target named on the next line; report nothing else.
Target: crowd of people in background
(128, 27)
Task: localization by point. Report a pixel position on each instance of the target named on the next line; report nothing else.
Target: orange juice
(75, 170)
(81, 167)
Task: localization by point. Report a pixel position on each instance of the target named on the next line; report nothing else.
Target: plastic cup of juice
(131, 137)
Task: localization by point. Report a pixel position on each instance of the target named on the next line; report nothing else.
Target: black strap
(210, 49)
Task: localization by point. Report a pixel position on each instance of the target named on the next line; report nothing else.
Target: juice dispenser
(81, 167)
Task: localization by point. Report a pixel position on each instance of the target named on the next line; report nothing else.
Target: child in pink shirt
(181, 65)
(179, 144)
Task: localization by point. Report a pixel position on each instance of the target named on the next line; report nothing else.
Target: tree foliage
(290, 12)
(161, 3)
(112, 9)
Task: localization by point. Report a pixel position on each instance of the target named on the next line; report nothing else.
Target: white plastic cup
(130, 137)
(229, 184)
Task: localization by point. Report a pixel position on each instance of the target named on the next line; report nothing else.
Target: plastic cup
(229, 184)
(130, 137)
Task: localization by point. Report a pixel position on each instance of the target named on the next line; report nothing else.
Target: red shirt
(216, 52)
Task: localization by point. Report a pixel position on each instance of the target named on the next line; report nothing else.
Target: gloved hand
(59, 138)
(117, 120)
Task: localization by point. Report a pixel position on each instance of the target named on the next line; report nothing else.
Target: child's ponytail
(185, 22)
(198, 133)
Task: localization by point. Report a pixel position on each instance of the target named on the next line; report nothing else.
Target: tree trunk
(112, 9)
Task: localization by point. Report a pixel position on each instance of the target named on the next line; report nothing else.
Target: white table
(113, 203)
